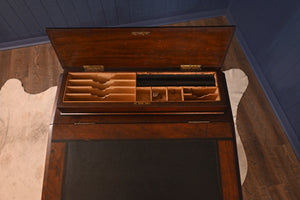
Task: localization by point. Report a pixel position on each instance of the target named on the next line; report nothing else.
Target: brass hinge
(93, 68)
(190, 67)
(198, 122)
(84, 123)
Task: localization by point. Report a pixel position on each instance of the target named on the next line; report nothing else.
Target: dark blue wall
(25, 19)
(269, 32)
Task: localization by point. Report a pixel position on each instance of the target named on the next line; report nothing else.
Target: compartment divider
(182, 94)
(167, 95)
(151, 94)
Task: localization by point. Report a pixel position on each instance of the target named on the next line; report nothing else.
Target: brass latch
(93, 68)
(190, 67)
(141, 102)
(140, 33)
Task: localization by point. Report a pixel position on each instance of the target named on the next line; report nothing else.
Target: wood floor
(274, 171)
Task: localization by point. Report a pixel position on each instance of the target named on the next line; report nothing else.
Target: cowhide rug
(24, 126)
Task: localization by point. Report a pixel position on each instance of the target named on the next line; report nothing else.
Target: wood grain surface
(274, 171)
(141, 47)
(53, 183)
(227, 161)
(132, 131)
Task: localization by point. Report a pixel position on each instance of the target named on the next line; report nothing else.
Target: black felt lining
(148, 80)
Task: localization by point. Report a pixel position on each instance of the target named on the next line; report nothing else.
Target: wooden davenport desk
(142, 113)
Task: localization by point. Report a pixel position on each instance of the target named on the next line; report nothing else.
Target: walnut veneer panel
(141, 47)
(129, 131)
(52, 188)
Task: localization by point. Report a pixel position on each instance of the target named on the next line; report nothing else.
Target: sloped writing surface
(142, 169)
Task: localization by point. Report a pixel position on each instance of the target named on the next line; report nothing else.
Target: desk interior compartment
(86, 87)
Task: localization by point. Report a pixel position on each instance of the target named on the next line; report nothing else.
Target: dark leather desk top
(147, 169)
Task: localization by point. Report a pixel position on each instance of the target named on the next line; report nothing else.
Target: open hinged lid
(134, 48)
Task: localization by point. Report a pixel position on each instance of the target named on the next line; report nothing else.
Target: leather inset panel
(142, 169)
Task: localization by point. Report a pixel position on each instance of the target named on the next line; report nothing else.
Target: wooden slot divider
(96, 91)
(91, 97)
(102, 77)
(94, 87)
(101, 86)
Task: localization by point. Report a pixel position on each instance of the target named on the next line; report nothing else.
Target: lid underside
(141, 47)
